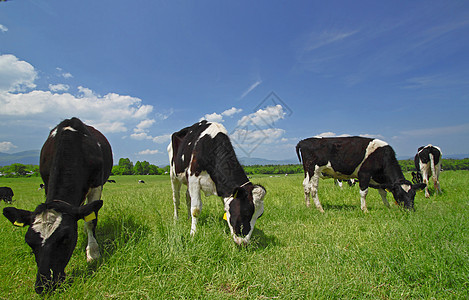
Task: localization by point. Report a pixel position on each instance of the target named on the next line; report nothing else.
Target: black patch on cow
(6, 194)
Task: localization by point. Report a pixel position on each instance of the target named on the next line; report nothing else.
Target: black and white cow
(201, 156)
(372, 161)
(6, 194)
(75, 162)
(428, 164)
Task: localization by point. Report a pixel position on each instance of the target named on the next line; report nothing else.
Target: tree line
(127, 167)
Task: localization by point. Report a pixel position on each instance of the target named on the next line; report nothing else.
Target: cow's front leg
(196, 203)
(382, 193)
(363, 194)
(92, 249)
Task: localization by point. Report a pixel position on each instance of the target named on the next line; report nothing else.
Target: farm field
(295, 252)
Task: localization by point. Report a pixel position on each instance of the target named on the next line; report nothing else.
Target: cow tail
(298, 151)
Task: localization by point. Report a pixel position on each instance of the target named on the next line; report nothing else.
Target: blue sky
(272, 72)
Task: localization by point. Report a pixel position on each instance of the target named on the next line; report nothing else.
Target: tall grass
(295, 252)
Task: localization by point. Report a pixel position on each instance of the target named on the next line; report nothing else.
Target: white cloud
(251, 88)
(110, 113)
(140, 136)
(162, 138)
(148, 152)
(58, 87)
(16, 75)
(213, 118)
(263, 117)
(142, 126)
(6, 146)
(3, 28)
(254, 137)
(231, 111)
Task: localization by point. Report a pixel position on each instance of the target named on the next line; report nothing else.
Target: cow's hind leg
(188, 203)
(196, 203)
(176, 187)
(92, 249)
(307, 189)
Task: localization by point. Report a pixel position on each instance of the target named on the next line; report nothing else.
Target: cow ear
(258, 194)
(88, 211)
(18, 217)
(418, 186)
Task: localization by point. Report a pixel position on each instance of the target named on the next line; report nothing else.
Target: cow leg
(363, 194)
(188, 204)
(382, 193)
(314, 189)
(196, 203)
(176, 187)
(92, 249)
(307, 190)
(436, 182)
(425, 180)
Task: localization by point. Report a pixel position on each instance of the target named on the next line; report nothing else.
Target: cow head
(417, 177)
(404, 192)
(243, 209)
(52, 235)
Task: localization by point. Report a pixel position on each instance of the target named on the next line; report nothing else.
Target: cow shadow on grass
(112, 234)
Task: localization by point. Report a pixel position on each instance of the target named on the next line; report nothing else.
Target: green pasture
(295, 253)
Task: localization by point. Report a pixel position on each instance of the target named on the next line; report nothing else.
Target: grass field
(295, 252)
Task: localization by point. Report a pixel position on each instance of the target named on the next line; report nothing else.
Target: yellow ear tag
(18, 224)
(90, 217)
(224, 217)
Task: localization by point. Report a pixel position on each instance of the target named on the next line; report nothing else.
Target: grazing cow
(141, 181)
(201, 156)
(41, 186)
(6, 194)
(111, 181)
(428, 163)
(372, 161)
(75, 162)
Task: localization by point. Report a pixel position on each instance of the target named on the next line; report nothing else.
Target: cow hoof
(92, 252)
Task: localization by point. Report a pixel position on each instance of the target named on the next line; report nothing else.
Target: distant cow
(141, 181)
(75, 162)
(111, 181)
(428, 164)
(372, 161)
(41, 186)
(6, 194)
(202, 157)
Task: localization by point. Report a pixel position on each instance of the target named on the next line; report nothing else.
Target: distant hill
(30, 157)
(445, 156)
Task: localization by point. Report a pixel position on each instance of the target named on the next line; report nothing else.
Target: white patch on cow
(406, 187)
(206, 184)
(69, 128)
(46, 223)
(213, 129)
(53, 133)
(99, 144)
(182, 157)
(372, 147)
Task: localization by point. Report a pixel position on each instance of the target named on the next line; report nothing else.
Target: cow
(428, 164)
(111, 181)
(372, 161)
(6, 194)
(202, 157)
(141, 181)
(75, 162)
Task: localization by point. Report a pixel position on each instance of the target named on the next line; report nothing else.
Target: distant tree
(19, 169)
(138, 169)
(126, 166)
